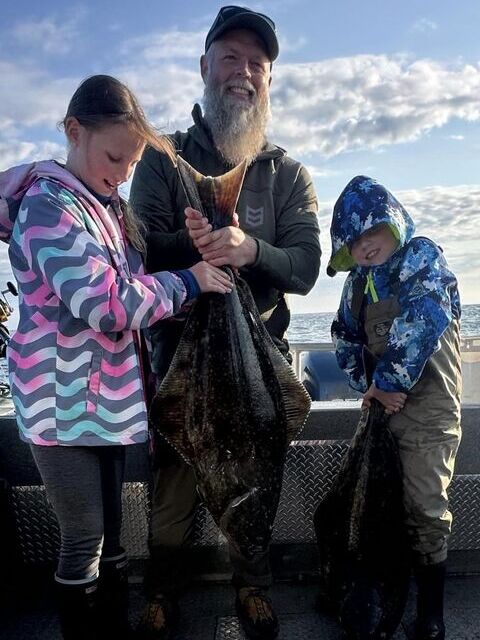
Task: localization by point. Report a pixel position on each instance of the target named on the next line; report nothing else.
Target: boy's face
(374, 247)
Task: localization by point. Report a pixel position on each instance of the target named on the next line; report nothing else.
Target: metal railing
(469, 349)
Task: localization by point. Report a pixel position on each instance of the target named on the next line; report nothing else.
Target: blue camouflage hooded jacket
(417, 273)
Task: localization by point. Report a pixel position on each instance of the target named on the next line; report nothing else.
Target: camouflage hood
(363, 204)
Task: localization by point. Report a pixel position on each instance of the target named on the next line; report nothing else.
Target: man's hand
(393, 401)
(226, 246)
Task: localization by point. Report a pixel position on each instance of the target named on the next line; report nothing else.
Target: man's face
(238, 66)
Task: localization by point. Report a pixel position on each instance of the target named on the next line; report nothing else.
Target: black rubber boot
(113, 599)
(431, 584)
(78, 609)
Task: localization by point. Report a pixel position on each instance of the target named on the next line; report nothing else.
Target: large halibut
(361, 533)
(230, 403)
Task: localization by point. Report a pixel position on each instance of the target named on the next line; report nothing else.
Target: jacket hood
(363, 204)
(201, 133)
(15, 182)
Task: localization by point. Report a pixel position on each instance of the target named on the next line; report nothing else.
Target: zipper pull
(370, 287)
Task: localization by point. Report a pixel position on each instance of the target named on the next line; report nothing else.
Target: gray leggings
(84, 486)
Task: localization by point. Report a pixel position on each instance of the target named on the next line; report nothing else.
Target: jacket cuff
(190, 282)
(271, 261)
(257, 259)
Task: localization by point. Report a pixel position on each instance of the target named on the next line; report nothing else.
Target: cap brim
(253, 22)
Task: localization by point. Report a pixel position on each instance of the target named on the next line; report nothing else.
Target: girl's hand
(211, 279)
(393, 401)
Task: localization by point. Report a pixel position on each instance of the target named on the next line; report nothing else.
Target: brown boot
(255, 613)
(158, 618)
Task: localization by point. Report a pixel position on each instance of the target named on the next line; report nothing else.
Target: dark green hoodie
(277, 206)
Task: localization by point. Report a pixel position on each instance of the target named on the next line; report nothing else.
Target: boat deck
(207, 613)
(29, 540)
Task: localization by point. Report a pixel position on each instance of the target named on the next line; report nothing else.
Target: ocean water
(315, 327)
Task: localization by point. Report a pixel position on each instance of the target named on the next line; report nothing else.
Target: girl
(76, 358)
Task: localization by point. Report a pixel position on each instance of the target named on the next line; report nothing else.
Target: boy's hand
(393, 401)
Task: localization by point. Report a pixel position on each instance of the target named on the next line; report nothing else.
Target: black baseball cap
(233, 17)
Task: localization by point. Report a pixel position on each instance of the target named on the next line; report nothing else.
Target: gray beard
(238, 130)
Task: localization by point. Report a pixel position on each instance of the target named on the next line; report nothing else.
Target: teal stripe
(69, 274)
(73, 413)
(87, 426)
(66, 391)
(101, 413)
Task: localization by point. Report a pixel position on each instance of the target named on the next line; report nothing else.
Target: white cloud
(289, 45)
(31, 96)
(328, 107)
(457, 137)
(451, 217)
(166, 45)
(333, 106)
(167, 93)
(49, 35)
(14, 152)
(424, 25)
(320, 172)
(368, 101)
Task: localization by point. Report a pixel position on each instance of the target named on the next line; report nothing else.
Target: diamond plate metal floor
(207, 613)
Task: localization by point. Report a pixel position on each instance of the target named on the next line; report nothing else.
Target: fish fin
(216, 198)
(189, 179)
(295, 398)
(171, 407)
(227, 191)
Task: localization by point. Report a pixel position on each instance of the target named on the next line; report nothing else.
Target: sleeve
(154, 197)
(293, 264)
(425, 298)
(58, 248)
(348, 340)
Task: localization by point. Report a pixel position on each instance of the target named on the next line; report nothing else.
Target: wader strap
(358, 297)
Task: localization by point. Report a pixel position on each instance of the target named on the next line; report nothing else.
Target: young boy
(400, 300)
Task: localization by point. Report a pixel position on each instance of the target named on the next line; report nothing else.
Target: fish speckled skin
(230, 404)
(360, 528)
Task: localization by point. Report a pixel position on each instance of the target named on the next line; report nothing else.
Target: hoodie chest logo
(417, 291)
(254, 217)
(382, 328)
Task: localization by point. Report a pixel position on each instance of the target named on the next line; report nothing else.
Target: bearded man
(276, 248)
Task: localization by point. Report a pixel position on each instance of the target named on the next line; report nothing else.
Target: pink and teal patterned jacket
(75, 369)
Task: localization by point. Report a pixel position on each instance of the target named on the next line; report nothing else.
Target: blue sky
(387, 89)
